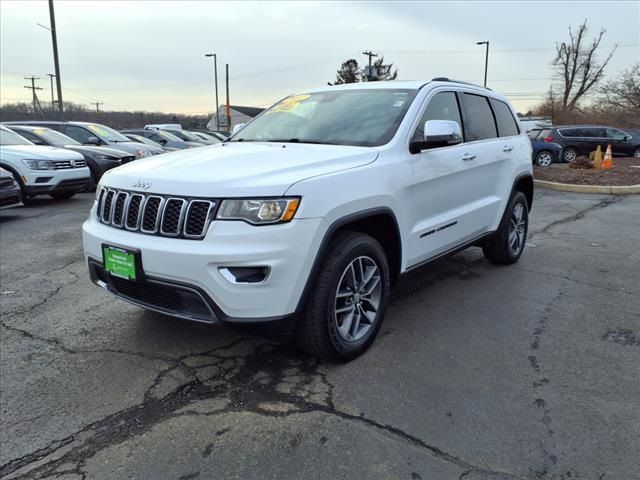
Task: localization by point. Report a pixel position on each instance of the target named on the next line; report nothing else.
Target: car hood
(132, 147)
(39, 152)
(91, 151)
(237, 169)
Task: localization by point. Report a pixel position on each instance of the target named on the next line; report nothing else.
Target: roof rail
(446, 79)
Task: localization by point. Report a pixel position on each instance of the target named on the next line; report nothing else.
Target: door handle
(469, 156)
(507, 148)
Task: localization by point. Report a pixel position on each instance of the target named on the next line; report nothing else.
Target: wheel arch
(380, 223)
(524, 183)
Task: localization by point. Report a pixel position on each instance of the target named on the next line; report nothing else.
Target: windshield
(107, 134)
(51, 137)
(8, 137)
(168, 136)
(342, 117)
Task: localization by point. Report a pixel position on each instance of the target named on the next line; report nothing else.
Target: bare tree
(624, 91)
(577, 64)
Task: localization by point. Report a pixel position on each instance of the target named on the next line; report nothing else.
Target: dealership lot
(528, 371)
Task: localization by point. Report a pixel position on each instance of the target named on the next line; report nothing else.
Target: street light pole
(486, 59)
(215, 75)
(54, 40)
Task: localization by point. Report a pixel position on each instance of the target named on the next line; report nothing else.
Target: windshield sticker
(96, 129)
(289, 104)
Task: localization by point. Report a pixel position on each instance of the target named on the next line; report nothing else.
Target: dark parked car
(147, 141)
(578, 140)
(544, 153)
(99, 159)
(163, 137)
(96, 135)
(207, 136)
(10, 195)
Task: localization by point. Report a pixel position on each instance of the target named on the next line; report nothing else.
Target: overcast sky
(150, 55)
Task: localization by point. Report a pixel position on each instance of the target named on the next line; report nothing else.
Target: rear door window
(479, 124)
(507, 126)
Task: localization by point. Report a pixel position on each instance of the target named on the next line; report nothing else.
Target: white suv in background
(300, 223)
(41, 170)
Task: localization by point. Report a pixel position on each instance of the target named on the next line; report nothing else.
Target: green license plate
(121, 262)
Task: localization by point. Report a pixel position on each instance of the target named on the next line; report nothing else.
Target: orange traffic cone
(608, 159)
(597, 158)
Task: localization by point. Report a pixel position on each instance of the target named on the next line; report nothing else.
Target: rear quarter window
(507, 126)
(479, 124)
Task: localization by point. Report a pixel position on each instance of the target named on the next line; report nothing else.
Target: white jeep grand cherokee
(300, 223)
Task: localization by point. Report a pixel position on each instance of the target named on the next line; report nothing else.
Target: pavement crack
(579, 215)
(265, 380)
(574, 280)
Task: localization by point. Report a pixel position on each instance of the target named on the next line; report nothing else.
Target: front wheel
(544, 159)
(346, 308)
(636, 152)
(62, 195)
(507, 244)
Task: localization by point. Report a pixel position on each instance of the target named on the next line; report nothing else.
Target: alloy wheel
(544, 159)
(517, 229)
(570, 155)
(358, 298)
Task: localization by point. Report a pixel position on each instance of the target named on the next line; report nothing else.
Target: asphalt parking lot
(523, 372)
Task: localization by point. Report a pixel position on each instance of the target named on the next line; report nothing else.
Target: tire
(569, 154)
(636, 152)
(338, 324)
(501, 248)
(23, 196)
(62, 195)
(544, 158)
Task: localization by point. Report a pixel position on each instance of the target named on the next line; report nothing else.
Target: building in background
(239, 115)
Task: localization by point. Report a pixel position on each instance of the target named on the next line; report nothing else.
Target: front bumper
(287, 250)
(39, 182)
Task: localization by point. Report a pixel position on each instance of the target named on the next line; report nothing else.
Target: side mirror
(627, 138)
(237, 128)
(162, 141)
(93, 141)
(438, 133)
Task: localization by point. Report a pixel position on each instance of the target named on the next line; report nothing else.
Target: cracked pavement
(479, 372)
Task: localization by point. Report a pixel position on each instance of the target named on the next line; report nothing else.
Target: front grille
(155, 214)
(6, 182)
(67, 164)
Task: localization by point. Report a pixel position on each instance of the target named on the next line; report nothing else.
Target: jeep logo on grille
(142, 184)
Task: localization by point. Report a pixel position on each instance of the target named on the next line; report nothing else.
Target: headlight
(107, 157)
(259, 212)
(39, 164)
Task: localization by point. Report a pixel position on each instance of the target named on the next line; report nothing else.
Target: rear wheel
(346, 308)
(569, 154)
(62, 195)
(544, 159)
(507, 244)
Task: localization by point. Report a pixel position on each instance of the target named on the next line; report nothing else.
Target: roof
(248, 111)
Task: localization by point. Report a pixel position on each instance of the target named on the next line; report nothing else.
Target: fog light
(244, 274)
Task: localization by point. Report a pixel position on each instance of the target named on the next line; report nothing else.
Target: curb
(605, 189)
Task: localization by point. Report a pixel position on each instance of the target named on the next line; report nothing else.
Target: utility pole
(53, 101)
(486, 60)
(97, 104)
(56, 61)
(228, 105)
(369, 54)
(33, 89)
(215, 75)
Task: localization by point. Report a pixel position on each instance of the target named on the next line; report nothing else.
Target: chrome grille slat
(66, 164)
(172, 216)
(152, 214)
